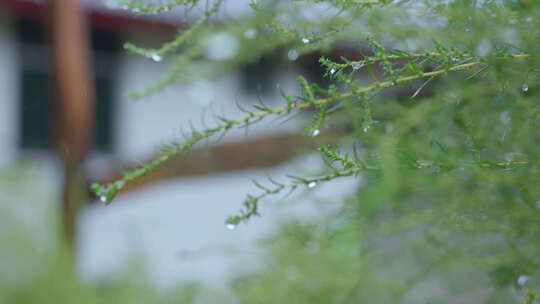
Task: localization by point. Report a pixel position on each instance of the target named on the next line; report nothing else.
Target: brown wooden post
(74, 102)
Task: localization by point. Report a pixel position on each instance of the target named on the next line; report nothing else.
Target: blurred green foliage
(36, 267)
(441, 101)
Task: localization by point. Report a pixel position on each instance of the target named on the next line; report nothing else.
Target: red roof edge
(116, 20)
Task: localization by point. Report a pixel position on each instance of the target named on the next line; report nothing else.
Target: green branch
(250, 204)
(180, 63)
(109, 191)
(159, 54)
(139, 8)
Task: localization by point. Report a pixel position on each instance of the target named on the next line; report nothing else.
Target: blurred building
(175, 219)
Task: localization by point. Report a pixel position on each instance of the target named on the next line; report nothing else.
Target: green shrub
(439, 100)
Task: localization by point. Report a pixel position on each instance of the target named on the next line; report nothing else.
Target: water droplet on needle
(156, 57)
(522, 280)
(292, 55)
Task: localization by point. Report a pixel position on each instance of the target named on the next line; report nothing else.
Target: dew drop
(305, 40)
(509, 156)
(156, 57)
(424, 164)
(312, 184)
(332, 71)
(356, 66)
(292, 55)
(525, 87)
(103, 199)
(315, 133)
(522, 280)
(231, 226)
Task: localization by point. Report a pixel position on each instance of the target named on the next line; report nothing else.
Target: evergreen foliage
(446, 133)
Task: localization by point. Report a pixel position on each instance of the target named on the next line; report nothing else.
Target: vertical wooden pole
(74, 102)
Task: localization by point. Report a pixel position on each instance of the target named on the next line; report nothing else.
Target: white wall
(178, 227)
(9, 95)
(144, 125)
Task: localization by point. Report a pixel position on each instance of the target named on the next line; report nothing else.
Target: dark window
(36, 111)
(104, 114)
(313, 71)
(258, 77)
